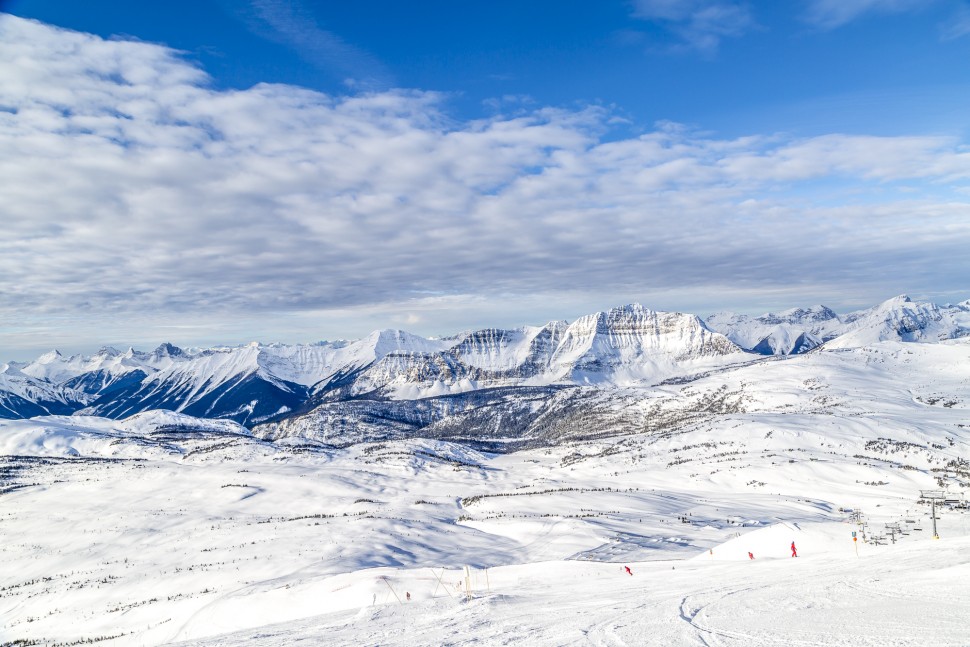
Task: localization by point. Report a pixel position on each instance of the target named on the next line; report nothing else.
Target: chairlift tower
(933, 496)
(893, 528)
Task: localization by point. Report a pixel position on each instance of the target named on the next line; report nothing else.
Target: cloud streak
(291, 24)
(830, 14)
(700, 24)
(130, 186)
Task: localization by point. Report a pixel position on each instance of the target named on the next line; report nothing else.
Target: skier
(628, 571)
(750, 555)
(794, 553)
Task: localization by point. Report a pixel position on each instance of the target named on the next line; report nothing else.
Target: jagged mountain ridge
(902, 319)
(256, 383)
(800, 330)
(622, 345)
(107, 362)
(23, 396)
(626, 346)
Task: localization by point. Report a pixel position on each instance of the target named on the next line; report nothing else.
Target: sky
(221, 171)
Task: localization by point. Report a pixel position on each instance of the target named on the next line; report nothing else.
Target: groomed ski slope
(916, 594)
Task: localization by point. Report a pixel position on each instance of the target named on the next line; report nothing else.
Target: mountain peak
(392, 339)
(630, 307)
(50, 356)
(167, 350)
(897, 300)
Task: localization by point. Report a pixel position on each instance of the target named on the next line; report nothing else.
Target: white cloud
(829, 14)
(129, 186)
(701, 24)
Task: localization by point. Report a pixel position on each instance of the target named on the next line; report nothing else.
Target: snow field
(165, 528)
(190, 548)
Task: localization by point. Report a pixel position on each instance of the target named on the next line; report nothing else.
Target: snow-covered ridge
(903, 319)
(801, 329)
(24, 396)
(146, 434)
(625, 346)
(54, 367)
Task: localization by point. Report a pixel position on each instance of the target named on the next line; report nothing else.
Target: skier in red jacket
(628, 571)
(794, 553)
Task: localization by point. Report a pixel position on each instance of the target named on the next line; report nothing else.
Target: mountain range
(458, 386)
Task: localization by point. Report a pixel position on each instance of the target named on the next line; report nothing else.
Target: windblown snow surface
(163, 528)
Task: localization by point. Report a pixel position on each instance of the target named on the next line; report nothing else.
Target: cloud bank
(129, 185)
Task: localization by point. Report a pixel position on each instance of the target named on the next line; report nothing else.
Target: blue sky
(289, 170)
(885, 66)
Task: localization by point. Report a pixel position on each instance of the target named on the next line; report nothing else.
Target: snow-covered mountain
(786, 333)
(258, 383)
(802, 329)
(629, 346)
(625, 345)
(54, 384)
(107, 363)
(253, 383)
(632, 344)
(223, 383)
(23, 396)
(903, 319)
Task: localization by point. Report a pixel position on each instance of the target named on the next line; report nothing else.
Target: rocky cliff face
(633, 337)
